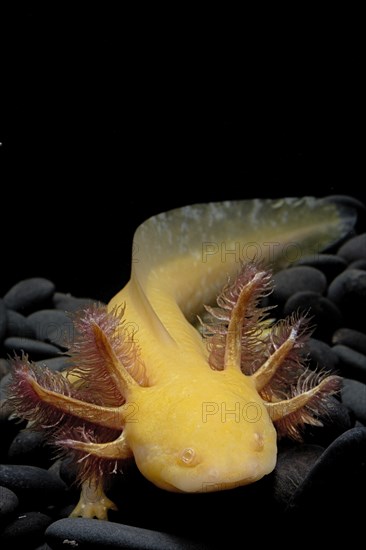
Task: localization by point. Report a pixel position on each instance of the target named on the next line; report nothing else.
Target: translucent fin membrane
(198, 246)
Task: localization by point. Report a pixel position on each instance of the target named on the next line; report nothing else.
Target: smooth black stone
(353, 395)
(9, 502)
(352, 338)
(95, 534)
(28, 528)
(4, 367)
(336, 420)
(32, 484)
(55, 363)
(296, 279)
(9, 427)
(3, 320)
(65, 511)
(69, 303)
(29, 447)
(29, 294)
(359, 424)
(4, 384)
(329, 264)
(348, 292)
(68, 471)
(18, 325)
(358, 264)
(321, 356)
(337, 481)
(354, 249)
(6, 410)
(352, 364)
(293, 464)
(34, 348)
(325, 316)
(52, 325)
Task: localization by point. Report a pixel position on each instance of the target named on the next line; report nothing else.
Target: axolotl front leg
(93, 502)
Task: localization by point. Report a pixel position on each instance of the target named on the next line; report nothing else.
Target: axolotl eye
(188, 456)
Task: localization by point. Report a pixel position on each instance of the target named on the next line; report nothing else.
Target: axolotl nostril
(198, 405)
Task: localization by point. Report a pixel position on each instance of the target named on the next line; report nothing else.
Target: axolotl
(196, 396)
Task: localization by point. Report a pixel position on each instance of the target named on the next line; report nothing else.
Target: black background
(110, 117)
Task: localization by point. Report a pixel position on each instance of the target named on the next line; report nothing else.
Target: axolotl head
(208, 434)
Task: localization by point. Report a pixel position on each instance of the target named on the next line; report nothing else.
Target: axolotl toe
(199, 405)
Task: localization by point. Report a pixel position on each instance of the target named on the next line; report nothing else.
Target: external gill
(109, 417)
(233, 347)
(292, 395)
(84, 409)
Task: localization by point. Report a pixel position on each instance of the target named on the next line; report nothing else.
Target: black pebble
(329, 264)
(358, 264)
(354, 249)
(325, 316)
(68, 471)
(4, 367)
(4, 384)
(9, 502)
(352, 338)
(52, 325)
(28, 447)
(352, 364)
(69, 303)
(9, 427)
(321, 355)
(18, 325)
(32, 484)
(28, 528)
(35, 348)
(95, 534)
(29, 294)
(348, 292)
(3, 320)
(293, 464)
(337, 481)
(336, 420)
(353, 395)
(297, 279)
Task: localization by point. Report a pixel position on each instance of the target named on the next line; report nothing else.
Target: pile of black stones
(323, 476)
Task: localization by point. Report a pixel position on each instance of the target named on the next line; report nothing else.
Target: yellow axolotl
(198, 410)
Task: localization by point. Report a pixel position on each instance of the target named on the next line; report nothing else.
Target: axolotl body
(198, 409)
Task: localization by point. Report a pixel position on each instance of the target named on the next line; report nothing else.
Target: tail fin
(191, 251)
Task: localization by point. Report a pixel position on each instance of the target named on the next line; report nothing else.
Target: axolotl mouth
(211, 481)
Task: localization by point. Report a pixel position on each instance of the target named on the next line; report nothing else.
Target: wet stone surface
(29, 294)
(354, 339)
(326, 471)
(297, 279)
(9, 503)
(329, 264)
